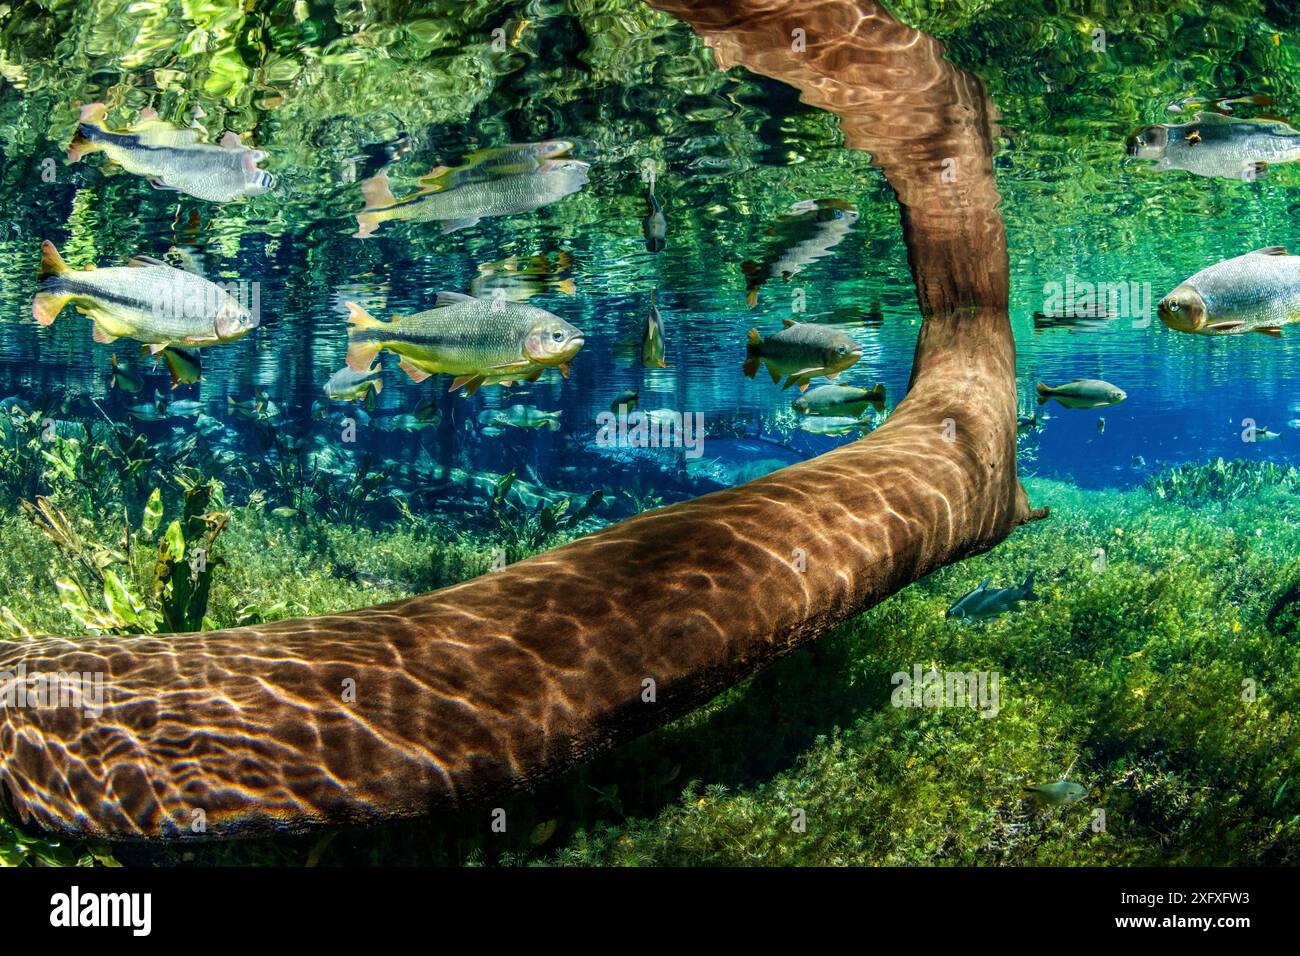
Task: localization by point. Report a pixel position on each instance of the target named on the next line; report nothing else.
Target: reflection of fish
(519, 279)
(465, 204)
(627, 400)
(1081, 316)
(477, 341)
(148, 301)
(652, 338)
(802, 236)
(1081, 393)
(184, 366)
(833, 424)
(346, 385)
(495, 161)
(124, 378)
(985, 602)
(171, 157)
(802, 352)
(840, 400)
(1057, 793)
(1215, 145)
(1257, 292)
(520, 416)
(655, 226)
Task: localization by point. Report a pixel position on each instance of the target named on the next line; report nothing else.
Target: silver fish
(985, 602)
(1081, 393)
(171, 157)
(465, 204)
(1227, 147)
(1257, 292)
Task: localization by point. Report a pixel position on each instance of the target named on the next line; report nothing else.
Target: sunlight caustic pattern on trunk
(467, 693)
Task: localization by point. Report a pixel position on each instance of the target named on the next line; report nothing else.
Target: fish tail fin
(377, 192)
(568, 287)
(46, 306)
(1027, 589)
(361, 355)
(80, 146)
(378, 196)
(751, 298)
(877, 396)
(91, 119)
(1044, 393)
(563, 262)
(52, 263)
(752, 357)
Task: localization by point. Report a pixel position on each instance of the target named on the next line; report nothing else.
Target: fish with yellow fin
(147, 300)
(172, 157)
(459, 199)
(477, 341)
(801, 351)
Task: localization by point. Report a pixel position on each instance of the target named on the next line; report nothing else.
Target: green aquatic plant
(1221, 480)
(126, 588)
(529, 530)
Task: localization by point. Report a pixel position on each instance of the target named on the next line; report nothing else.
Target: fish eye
(1172, 304)
(558, 335)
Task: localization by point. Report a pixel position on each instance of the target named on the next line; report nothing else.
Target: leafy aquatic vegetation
(1153, 672)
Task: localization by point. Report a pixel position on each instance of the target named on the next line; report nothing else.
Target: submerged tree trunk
(453, 698)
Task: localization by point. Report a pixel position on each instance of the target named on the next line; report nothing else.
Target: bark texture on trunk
(469, 692)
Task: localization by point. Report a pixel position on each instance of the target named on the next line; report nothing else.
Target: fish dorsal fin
(1270, 251)
(984, 585)
(139, 262)
(452, 298)
(787, 323)
(231, 140)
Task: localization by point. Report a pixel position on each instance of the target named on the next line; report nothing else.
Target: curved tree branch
(492, 685)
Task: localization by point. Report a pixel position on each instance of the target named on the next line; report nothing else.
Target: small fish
(1057, 794)
(148, 301)
(655, 226)
(427, 411)
(1226, 147)
(1101, 426)
(185, 408)
(155, 411)
(652, 338)
(1080, 317)
(518, 280)
(520, 416)
(840, 400)
(483, 165)
(628, 400)
(476, 341)
(464, 204)
(405, 423)
(802, 352)
(184, 366)
(346, 385)
(833, 424)
(986, 602)
(802, 236)
(1081, 393)
(1257, 292)
(259, 407)
(1027, 423)
(171, 157)
(125, 379)
(1263, 434)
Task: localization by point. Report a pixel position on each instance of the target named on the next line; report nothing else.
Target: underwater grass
(1161, 670)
